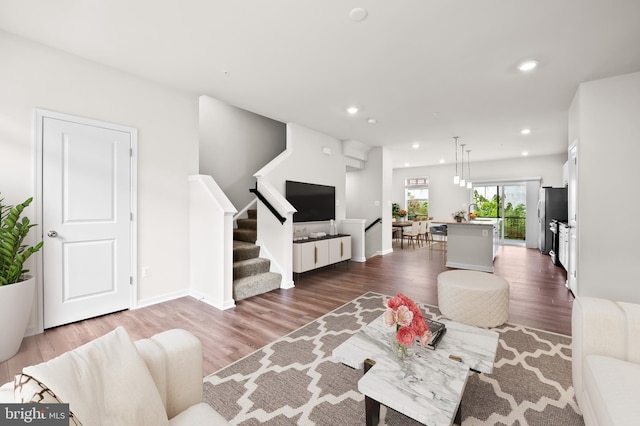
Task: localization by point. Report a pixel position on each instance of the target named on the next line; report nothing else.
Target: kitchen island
(474, 244)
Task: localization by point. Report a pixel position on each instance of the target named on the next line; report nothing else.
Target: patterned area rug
(295, 381)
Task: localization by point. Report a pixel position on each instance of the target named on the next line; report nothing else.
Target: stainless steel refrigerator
(552, 204)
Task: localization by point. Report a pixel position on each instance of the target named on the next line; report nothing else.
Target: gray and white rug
(295, 380)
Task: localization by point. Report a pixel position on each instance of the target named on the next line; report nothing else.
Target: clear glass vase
(402, 351)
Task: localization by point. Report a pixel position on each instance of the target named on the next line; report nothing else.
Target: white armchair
(106, 382)
(606, 360)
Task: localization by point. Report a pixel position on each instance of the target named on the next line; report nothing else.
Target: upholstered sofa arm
(6, 393)
(174, 358)
(597, 328)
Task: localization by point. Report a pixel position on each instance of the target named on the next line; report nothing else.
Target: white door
(86, 220)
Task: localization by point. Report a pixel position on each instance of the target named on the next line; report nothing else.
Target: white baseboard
(286, 284)
(358, 259)
(162, 298)
(383, 252)
(471, 267)
(222, 305)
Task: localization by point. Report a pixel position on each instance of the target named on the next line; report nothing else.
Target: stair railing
(378, 220)
(245, 209)
(268, 204)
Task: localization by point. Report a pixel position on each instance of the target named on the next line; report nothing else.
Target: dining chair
(441, 232)
(414, 234)
(396, 232)
(424, 233)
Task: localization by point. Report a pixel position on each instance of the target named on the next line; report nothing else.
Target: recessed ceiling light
(525, 153)
(372, 121)
(406, 164)
(528, 65)
(416, 145)
(525, 131)
(441, 161)
(358, 14)
(352, 110)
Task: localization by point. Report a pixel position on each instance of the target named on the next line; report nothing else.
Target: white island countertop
(480, 221)
(473, 245)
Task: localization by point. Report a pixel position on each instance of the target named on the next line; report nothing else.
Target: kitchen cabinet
(563, 245)
(473, 245)
(318, 252)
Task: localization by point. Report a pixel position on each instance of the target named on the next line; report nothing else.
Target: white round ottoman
(473, 298)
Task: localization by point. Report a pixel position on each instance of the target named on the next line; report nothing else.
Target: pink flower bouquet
(403, 314)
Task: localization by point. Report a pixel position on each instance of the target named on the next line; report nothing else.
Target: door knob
(52, 234)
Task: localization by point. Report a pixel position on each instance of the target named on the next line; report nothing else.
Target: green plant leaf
(13, 252)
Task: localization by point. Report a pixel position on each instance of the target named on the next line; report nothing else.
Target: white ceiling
(426, 70)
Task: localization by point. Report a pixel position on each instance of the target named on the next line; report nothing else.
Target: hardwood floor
(538, 299)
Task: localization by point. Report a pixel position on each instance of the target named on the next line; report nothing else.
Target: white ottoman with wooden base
(473, 298)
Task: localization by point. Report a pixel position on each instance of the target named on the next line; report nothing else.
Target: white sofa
(606, 361)
(111, 380)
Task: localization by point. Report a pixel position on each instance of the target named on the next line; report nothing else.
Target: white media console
(315, 253)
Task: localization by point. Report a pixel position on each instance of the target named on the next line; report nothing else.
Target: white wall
(605, 120)
(210, 242)
(35, 76)
(387, 185)
(234, 144)
(445, 197)
(368, 192)
(306, 162)
(310, 157)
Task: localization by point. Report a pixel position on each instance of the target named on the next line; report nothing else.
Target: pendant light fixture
(462, 182)
(456, 178)
(469, 184)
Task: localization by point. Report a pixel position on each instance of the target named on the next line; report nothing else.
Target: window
(506, 201)
(417, 197)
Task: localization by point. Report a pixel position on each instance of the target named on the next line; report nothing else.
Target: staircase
(251, 274)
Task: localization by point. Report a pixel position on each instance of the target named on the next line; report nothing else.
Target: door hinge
(130, 280)
(131, 216)
(130, 152)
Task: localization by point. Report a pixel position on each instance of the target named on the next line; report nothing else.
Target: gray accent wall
(234, 145)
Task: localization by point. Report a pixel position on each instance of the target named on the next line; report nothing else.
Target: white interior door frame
(572, 273)
(39, 116)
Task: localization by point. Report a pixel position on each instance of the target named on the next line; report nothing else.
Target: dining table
(400, 225)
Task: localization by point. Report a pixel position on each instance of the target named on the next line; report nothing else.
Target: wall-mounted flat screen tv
(313, 202)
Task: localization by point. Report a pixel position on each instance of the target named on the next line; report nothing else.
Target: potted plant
(458, 215)
(16, 288)
(394, 209)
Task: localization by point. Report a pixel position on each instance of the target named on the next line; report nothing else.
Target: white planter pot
(16, 301)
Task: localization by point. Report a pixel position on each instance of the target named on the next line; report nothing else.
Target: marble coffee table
(427, 387)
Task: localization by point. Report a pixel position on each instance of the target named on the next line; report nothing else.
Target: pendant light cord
(462, 160)
(456, 138)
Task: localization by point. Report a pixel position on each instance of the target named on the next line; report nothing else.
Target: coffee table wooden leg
(371, 406)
